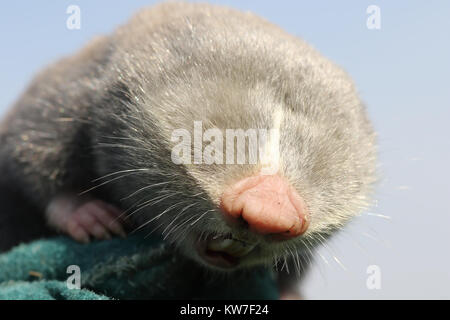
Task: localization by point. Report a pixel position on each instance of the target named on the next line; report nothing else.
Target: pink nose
(268, 204)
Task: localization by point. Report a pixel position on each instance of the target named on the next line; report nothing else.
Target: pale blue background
(402, 74)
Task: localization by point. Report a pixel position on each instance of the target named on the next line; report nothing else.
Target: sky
(401, 71)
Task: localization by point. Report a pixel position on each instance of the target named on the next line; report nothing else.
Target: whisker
(332, 253)
(339, 262)
(119, 172)
(176, 228)
(309, 250)
(118, 145)
(320, 255)
(202, 216)
(182, 235)
(146, 188)
(121, 138)
(157, 217)
(297, 261)
(285, 265)
(106, 182)
(379, 215)
(179, 215)
(152, 202)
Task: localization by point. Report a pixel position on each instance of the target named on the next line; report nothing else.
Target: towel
(133, 268)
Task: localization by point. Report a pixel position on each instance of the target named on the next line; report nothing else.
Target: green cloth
(132, 268)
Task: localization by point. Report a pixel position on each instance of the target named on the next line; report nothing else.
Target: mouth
(223, 251)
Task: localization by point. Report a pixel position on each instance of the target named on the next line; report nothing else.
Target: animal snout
(268, 204)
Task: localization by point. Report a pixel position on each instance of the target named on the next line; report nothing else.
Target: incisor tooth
(219, 244)
(230, 246)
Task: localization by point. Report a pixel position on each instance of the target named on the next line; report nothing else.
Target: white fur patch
(270, 156)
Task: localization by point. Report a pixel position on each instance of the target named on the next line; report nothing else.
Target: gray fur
(113, 106)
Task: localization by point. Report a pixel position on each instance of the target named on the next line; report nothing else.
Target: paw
(90, 219)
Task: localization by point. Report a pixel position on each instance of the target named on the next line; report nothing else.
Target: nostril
(242, 222)
(267, 205)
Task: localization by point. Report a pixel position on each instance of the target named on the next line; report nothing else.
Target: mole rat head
(255, 163)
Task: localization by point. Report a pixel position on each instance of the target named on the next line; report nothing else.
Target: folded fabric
(132, 268)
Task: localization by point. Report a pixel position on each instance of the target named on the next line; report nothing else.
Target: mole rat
(118, 138)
